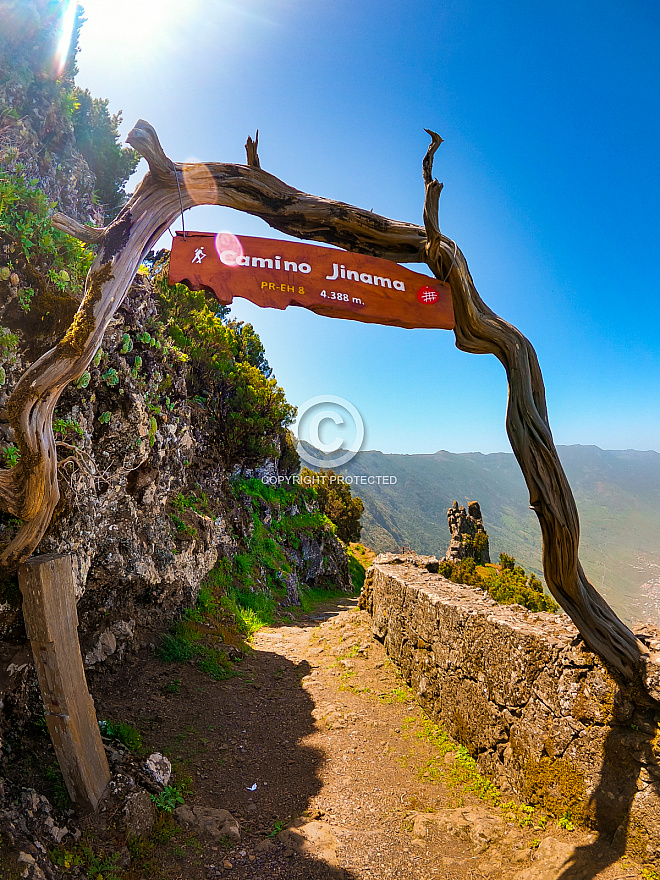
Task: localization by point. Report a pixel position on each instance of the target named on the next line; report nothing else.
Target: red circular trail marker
(428, 295)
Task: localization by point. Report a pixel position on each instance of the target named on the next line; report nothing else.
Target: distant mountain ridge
(617, 493)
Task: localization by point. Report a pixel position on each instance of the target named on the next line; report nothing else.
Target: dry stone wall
(540, 713)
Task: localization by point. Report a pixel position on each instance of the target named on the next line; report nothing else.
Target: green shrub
(225, 593)
(58, 794)
(168, 799)
(356, 570)
(98, 139)
(336, 501)
(197, 501)
(476, 547)
(205, 606)
(174, 648)
(63, 426)
(8, 342)
(215, 663)
(11, 454)
(198, 637)
(508, 585)
(311, 597)
(250, 610)
(25, 220)
(228, 375)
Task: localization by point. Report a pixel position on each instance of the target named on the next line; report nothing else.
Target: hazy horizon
(509, 450)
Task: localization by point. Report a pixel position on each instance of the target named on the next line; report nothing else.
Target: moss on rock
(556, 785)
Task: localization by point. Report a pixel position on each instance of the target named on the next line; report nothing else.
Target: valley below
(617, 494)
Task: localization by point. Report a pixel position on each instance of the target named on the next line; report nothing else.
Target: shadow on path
(242, 743)
(622, 783)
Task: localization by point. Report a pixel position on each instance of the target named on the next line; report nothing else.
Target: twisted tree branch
(29, 490)
(479, 330)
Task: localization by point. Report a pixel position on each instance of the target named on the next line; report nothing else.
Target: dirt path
(319, 735)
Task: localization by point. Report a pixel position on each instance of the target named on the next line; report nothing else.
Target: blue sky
(549, 113)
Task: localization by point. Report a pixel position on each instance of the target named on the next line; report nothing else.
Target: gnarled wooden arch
(30, 491)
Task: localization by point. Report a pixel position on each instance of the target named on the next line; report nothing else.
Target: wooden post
(51, 621)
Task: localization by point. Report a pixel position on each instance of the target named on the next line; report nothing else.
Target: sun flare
(66, 33)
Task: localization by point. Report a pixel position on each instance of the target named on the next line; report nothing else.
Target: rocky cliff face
(36, 129)
(468, 536)
(147, 507)
(148, 504)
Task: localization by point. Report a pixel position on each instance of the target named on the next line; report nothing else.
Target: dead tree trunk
(480, 331)
(29, 490)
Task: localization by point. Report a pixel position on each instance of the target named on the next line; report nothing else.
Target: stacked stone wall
(540, 713)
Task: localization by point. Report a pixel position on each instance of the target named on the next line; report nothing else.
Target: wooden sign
(337, 284)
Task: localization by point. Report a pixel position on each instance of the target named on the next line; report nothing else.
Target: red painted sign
(338, 284)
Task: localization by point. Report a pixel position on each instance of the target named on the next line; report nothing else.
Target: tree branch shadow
(625, 804)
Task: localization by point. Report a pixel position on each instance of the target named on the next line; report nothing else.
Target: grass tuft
(124, 733)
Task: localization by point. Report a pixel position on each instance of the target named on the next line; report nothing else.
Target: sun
(138, 36)
(138, 31)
